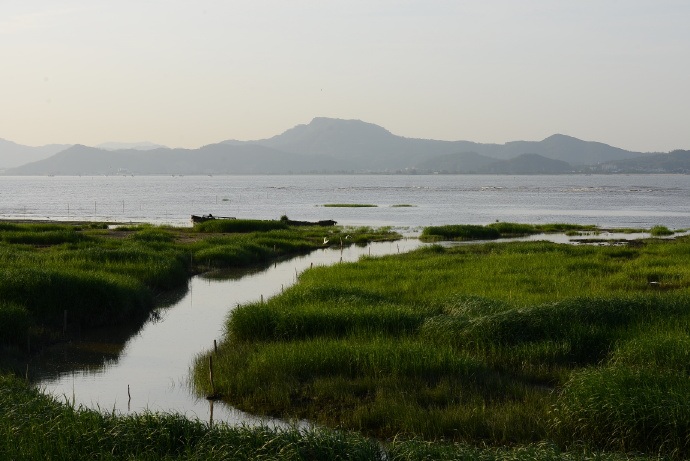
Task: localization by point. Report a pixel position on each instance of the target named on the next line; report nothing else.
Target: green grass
(460, 232)
(658, 231)
(112, 278)
(34, 426)
(528, 350)
(498, 230)
(495, 344)
(238, 226)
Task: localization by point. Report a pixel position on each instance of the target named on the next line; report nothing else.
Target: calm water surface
(604, 200)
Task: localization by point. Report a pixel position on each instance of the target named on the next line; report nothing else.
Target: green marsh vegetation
(104, 276)
(498, 230)
(659, 231)
(514, 344)
(93, 276)
(35, 426)
(508, 365)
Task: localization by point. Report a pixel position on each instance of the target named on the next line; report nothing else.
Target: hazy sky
(189, 73)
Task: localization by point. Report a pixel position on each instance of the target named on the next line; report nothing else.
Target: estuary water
(629, 201)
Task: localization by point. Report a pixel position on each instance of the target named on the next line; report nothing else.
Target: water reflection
(146, 367)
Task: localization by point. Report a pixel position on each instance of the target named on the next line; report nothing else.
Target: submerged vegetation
(493, 344)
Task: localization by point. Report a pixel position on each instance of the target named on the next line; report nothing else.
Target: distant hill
(13, 154)
(677, 161)
(569, 149)
(212, 159)
(130, 145)
(459, 163)
(328, 145)
(527, 164)
(375, 148)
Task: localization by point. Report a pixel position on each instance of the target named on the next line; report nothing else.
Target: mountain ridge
(329, 145)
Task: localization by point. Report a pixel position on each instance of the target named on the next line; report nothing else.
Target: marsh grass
(627, 409)
(34, 426)
(497, 230)
(39, 234)
(460, 232)
(658, 231)
(49, 269)
(238, 226)
(499, 343)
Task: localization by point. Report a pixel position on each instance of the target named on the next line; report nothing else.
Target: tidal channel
(147, 367)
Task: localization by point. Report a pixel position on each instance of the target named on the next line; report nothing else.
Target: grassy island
(492, 345)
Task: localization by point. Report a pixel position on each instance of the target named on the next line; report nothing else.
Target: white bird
(348, 237)
(325, 240)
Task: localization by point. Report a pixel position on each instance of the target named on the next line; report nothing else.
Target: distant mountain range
(13, 154)
(130, 145)
(347, 146)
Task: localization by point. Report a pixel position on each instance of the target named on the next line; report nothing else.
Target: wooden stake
(210, 374)
(215, 346)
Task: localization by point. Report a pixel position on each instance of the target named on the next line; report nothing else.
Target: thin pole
(210, 374)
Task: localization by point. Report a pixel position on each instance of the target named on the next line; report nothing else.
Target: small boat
(208, 217)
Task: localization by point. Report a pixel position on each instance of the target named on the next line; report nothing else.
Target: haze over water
(630, 201)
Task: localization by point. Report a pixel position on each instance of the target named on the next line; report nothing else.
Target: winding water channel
(151, 362)
(147, 367)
